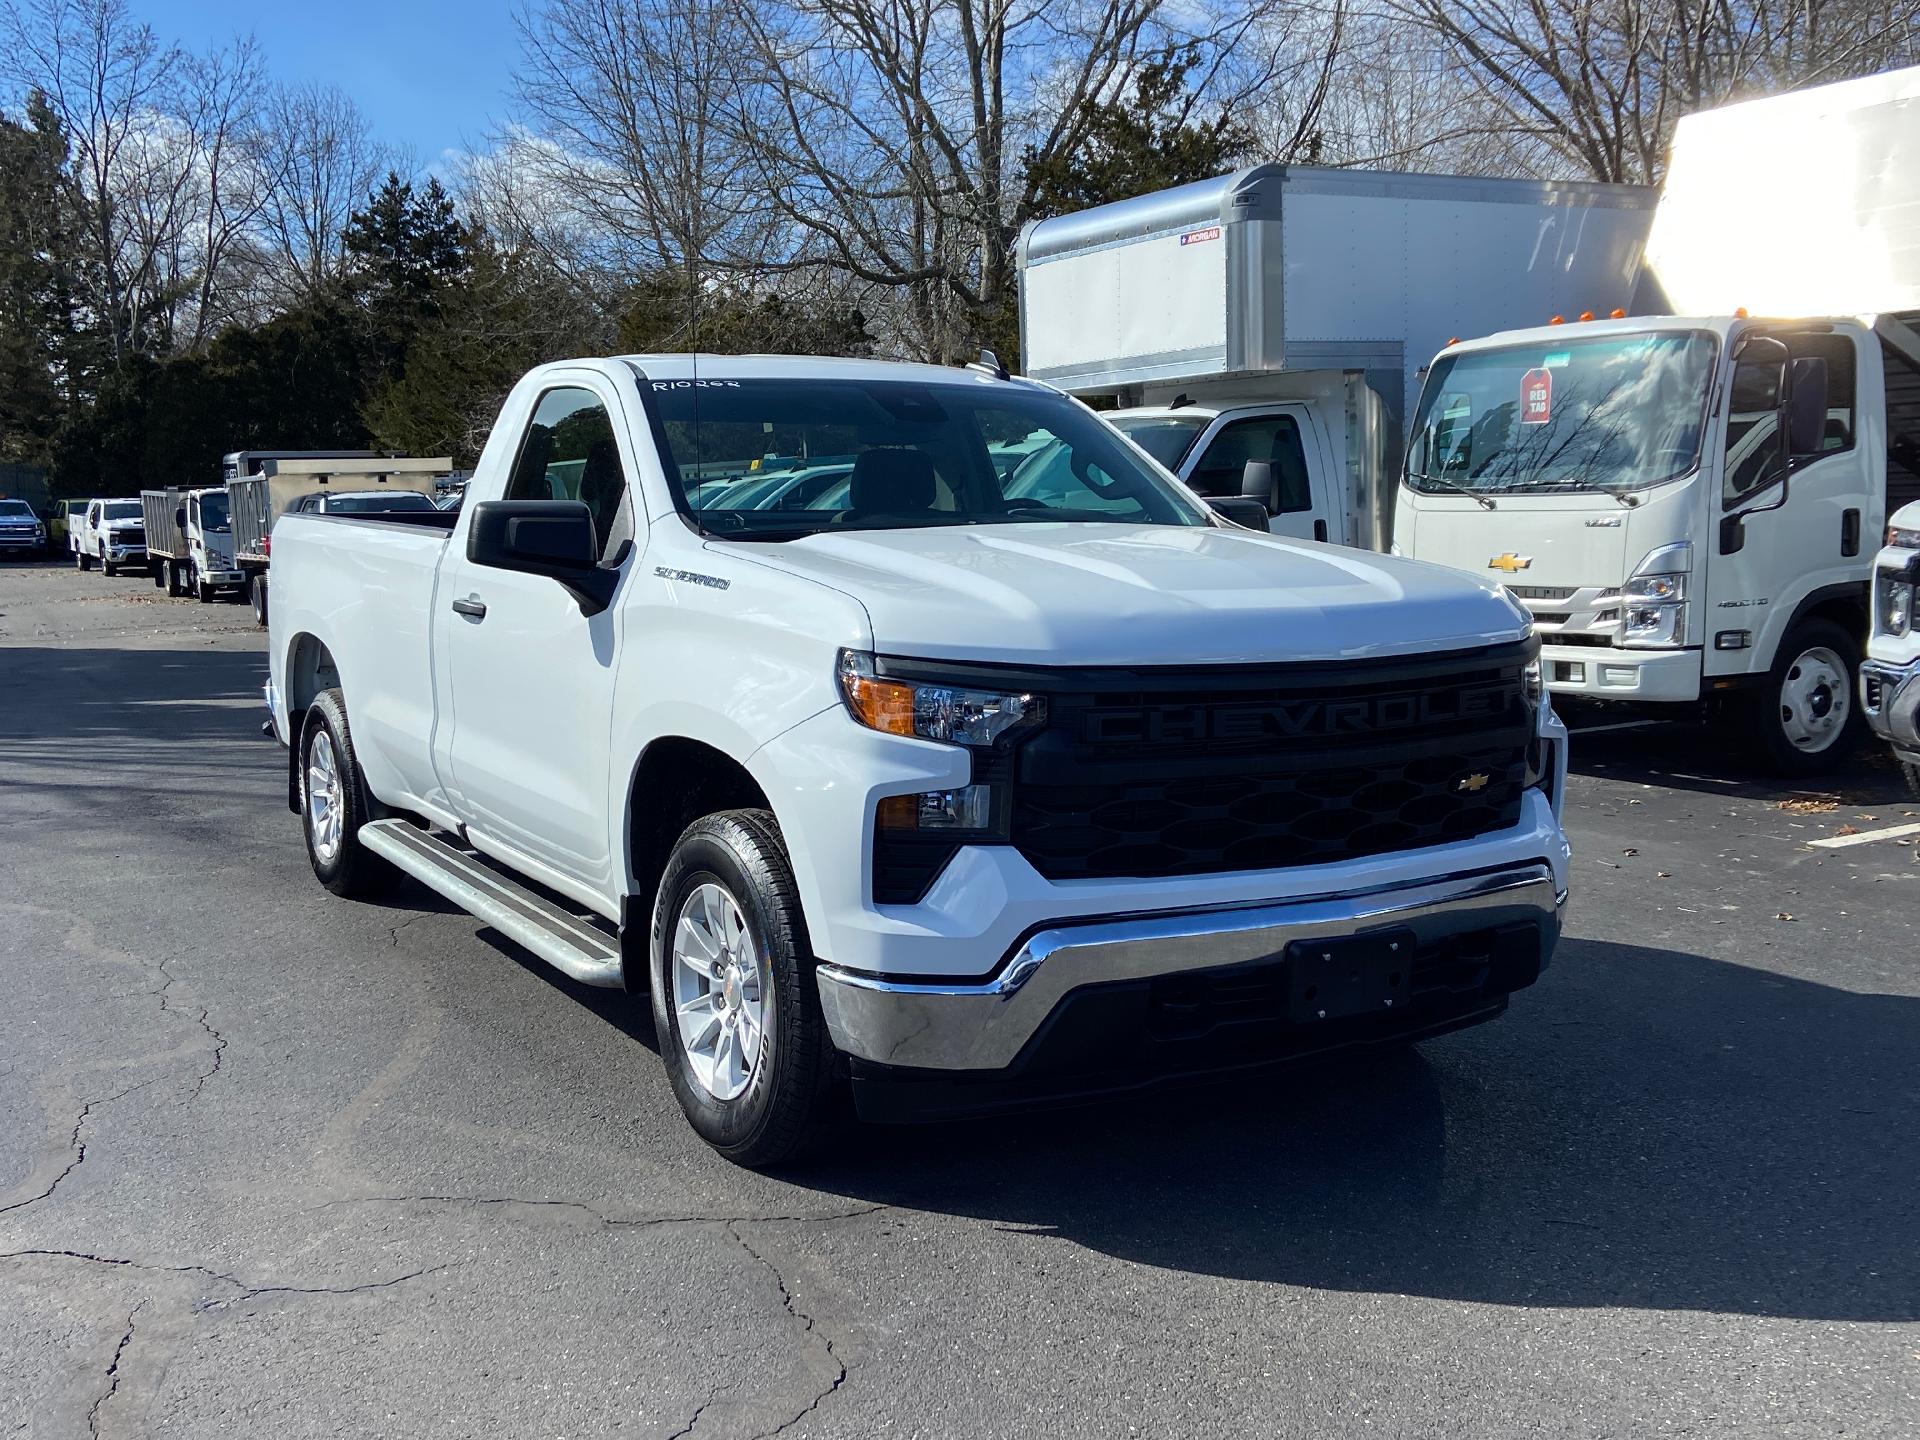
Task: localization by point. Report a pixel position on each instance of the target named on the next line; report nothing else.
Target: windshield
(121, 510)
(361, 504)
(905, 454)
(1165, 437)
(16, 510)
(213, 511)
(1614, 413)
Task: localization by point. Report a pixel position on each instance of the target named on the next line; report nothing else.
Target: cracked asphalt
(272, 1162)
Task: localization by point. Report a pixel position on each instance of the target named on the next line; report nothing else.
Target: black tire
(159, 569)
(1910, 772)
(259, 588)
(1771, 709)
(348, 869)
(201, 589)
(82, 560)
(176, 586)
(788, 1095)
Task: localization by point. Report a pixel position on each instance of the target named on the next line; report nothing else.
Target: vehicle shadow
(1701, 759)
(1645, 1128)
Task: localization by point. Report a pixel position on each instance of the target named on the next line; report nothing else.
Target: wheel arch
(673, 782)
(310, 668)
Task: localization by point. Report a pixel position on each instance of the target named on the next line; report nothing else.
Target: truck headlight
(1892, 603)
(954, 714)
(1653, 601)
(1903, 538)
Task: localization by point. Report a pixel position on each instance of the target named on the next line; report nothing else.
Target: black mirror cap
(1247, 513)
(1807, 405)
(554, 538)
(1733, 534)
(1256, 482)
(180, 518)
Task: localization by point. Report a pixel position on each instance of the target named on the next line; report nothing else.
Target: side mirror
(1256, 482)
(1807, 405)
(554, 538)
(1733, 533)
(1243, 511)
(180, 517)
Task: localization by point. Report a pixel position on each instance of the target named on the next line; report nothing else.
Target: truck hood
(1143, 595)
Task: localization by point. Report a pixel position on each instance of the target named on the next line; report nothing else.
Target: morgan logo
(1301, 719)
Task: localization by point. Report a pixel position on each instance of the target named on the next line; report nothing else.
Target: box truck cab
(1689, 503)
(208, 527)
(1263, 332)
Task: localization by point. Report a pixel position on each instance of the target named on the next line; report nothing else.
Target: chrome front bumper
(1891, 699)
(984, 1025)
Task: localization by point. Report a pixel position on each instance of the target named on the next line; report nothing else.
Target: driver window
(1753, 453)
(1271, 438)
(569, 453)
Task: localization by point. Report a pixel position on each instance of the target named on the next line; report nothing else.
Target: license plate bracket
(1347, 975)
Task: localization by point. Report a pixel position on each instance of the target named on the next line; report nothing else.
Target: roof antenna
(991, 361)
(1180, 400)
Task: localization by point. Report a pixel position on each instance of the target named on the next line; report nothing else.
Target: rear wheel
(333, 804)
(82, 560)
(260, 599)
(1803, 720)
(735, 1006)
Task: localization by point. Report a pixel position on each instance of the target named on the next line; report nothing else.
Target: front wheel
(333, 804)
(1804, 720)
(201, 588)
(734, 1000)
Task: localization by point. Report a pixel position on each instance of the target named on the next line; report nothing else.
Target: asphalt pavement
(273, 1163)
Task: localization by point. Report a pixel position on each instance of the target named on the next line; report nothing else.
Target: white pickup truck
(968, 790)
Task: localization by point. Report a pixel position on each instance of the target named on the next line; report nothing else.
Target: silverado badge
(1510, 562)
(1472, 784)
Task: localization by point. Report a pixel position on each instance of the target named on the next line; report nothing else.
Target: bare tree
(1600, 83)
(110, 80)
(319, 161)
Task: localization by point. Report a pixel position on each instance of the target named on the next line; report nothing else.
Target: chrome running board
(566, 942)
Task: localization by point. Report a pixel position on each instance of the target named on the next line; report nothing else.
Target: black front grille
(135, 536)
(1250, 768)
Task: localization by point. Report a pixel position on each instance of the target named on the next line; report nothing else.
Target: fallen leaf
(1629, 851)
(1809, 805)
(1783, 915)
(1848, 830)
(1664, 874)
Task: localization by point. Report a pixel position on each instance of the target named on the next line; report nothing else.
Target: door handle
(473, 605)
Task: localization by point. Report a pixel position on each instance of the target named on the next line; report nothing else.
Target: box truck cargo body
(1264, 332)
(1689, 503)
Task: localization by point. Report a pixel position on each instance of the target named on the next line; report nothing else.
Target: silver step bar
(566, 942)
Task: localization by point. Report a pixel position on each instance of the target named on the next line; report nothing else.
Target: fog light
(1733, 640)
(968, 808)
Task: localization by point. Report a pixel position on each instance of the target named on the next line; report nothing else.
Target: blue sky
(428, 74)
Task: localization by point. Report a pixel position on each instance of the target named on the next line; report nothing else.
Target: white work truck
(1264, 332)
(112, 534)
(1689, 503)
(1890, 677)
(964, 796)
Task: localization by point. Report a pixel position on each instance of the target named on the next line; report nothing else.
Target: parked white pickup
(945, 781)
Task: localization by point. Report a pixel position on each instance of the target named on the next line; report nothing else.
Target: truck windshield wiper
(1454, 485)
(1585, 486)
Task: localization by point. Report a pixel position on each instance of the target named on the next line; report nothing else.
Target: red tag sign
(1536, 397)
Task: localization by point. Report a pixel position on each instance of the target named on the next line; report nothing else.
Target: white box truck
(1264, 331)
(1690, 502)
(263, 486)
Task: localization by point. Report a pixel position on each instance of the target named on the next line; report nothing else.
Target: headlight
(949, 713)
(1892, 603)
(1653, 601)
(1903, 538)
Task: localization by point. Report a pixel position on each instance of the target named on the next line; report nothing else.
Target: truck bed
(374, 579)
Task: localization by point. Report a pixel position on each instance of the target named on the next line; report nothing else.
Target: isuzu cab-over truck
(966, 789)
(1264, 332)
(1689, 503)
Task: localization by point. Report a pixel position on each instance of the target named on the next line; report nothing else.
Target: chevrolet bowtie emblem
(1510, 562)
(1471, 784)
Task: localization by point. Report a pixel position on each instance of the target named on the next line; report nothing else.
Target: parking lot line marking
(1840, 842)
(1620, 725)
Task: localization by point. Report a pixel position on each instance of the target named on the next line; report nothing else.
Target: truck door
(532, 677)
(1299, 498)
(1824, 536)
